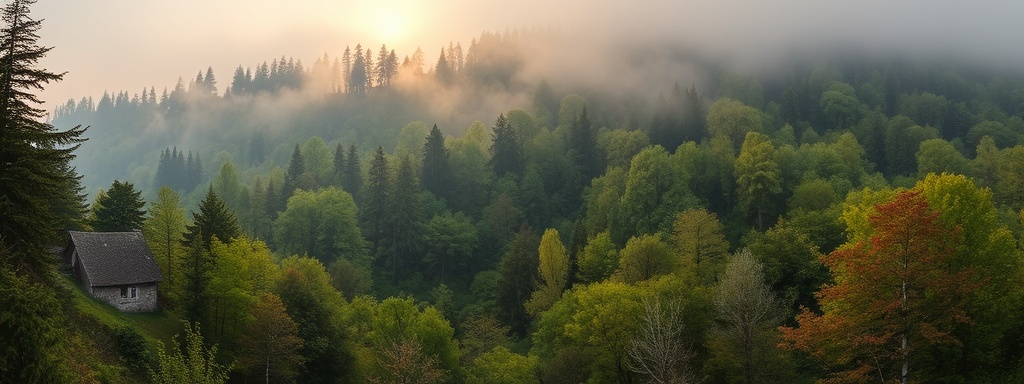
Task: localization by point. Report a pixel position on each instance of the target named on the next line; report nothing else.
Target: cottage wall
(145, 300)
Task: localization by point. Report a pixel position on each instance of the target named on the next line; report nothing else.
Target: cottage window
(135, 292)
(124, 292)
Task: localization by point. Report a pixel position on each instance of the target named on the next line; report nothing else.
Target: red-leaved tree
(893, 297)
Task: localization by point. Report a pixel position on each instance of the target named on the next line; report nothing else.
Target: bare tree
(403, 362)
(747, 311)
(658, 351)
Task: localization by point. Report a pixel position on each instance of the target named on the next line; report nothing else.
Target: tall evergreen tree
(376, 197)
(437, 176)
(506, 149)
(35, 182)
(34, 156)
(120, 209)
(405, 218)
(339, 165)
(214, 219)
(353, 179)
(296, 167)
(358, 77)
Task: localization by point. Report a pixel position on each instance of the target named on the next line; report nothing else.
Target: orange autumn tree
(895, 296)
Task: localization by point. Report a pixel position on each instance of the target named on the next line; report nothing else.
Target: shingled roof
(115, 258)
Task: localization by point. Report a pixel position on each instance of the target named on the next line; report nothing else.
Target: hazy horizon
(109, 45)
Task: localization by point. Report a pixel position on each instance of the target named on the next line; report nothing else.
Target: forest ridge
(852, 220)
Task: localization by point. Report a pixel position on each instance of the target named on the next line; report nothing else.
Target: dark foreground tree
(35, 176)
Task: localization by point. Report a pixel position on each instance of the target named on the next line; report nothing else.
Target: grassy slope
(93, 333)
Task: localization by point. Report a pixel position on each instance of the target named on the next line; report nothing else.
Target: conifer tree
(213, 220)
(34, 156)
(405, 217)
(120, 209)
(353, 179)
(376, 196)
(339, 165)
(437, 177)
(506, 149)
(296, 167)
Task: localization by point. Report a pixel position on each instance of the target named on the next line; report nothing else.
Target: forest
(380, 217)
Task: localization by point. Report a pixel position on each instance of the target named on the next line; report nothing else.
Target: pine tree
(339, 165)
(214, 219)
(120, 209)
(437, 176)
(405, 218)
(353, 180)
(443, 69)
(506, 149)
(359, 76)
(36, 181)
(296, 167)
(376, 196)
(34, 156)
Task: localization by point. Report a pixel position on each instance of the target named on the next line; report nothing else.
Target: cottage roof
(115, 258)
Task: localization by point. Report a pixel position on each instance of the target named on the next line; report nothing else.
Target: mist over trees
(377, 215)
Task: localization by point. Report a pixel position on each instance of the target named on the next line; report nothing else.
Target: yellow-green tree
(699, 241)
(757, 175)
(164, 230)
(643, 258)
(552, 269)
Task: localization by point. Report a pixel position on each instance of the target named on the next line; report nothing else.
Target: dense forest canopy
(381, 216)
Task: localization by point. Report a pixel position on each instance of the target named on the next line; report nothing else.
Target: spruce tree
(376, 196)
(506, 149)
(34, 156)
(339, 165)
(405, 218)
(120, 209)
(214, 219)
(37, 185)
(437, 176)
(296, 167)
(353, 180)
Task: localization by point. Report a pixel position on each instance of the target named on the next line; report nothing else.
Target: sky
(129, 44)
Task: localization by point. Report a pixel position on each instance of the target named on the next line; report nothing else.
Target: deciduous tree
(552, 268)
(894, 299)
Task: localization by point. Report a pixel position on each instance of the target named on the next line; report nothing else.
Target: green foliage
(515, 283)
(506, 149)
(214, 220)
(164, 231)
(321, 224)
(599, 259)
(437, 175)
(448, 242)
(120, 209)
(644, 258)
(192, 361)
(757, 175)
(656, 189)
(501, 366)
(38, 186)
(310, 300)
(32, 329)
(393, 322)
(939, 156)
(700, 243)
(791, 265)
(553, 270)
(732, 119)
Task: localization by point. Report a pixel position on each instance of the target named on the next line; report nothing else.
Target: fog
(114, 45)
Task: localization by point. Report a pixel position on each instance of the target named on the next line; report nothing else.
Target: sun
(391, 26)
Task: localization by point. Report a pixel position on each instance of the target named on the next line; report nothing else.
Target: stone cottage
(116, 267)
